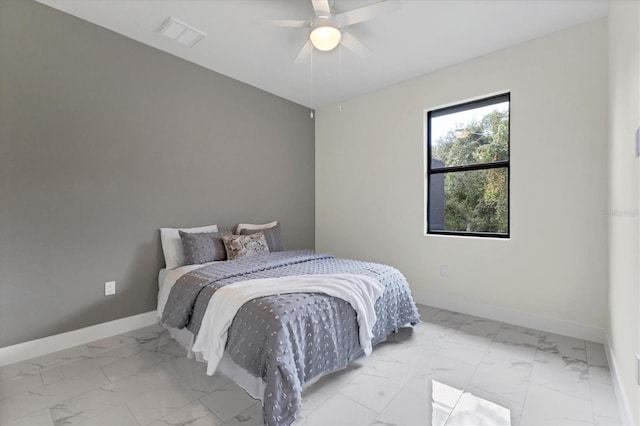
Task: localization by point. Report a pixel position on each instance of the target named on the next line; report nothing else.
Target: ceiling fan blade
(352, 43)
(321, 7)
(289, 23)
(304, 52)
(367, 12)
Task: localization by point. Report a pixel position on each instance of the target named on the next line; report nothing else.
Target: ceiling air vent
(179, 31)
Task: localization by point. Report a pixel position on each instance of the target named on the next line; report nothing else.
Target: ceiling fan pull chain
(340, 75)
(311, 114)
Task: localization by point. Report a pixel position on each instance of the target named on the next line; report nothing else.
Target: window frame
(506, 164)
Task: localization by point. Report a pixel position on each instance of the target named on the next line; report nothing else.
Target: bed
(278, 344)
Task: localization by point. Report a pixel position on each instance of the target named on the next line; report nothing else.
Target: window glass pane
(469, 201)
(473, 136)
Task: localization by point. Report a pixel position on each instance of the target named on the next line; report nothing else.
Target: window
(468, 168)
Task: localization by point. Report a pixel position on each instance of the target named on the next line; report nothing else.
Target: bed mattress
(284, 341)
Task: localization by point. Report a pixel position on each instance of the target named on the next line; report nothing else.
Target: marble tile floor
(451, 369)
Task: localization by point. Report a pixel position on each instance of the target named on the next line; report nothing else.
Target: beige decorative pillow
(238, 246)
(272, 235)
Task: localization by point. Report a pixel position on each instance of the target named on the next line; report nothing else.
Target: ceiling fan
(327, 28)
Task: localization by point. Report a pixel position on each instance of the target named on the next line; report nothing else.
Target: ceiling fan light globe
(325, 37)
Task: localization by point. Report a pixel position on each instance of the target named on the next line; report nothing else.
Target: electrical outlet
(109, 288)
(444, 270)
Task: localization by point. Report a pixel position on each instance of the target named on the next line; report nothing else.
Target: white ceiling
(420, 37)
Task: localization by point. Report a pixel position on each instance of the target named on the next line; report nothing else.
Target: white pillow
(252, 227)
(172, 245)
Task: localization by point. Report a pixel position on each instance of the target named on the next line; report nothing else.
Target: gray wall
(102, 141)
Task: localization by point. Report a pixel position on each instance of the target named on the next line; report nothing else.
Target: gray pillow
(272, 235)
(203, 247)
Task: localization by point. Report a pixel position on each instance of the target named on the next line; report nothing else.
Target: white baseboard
(58, 342)
(621, 396)
(521, 318)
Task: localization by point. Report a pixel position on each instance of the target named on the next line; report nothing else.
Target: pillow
(172, 245)
(255, 227)
(202, 247)
(272, 235)
(239, 246)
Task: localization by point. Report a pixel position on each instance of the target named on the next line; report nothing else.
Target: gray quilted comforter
(287, 340)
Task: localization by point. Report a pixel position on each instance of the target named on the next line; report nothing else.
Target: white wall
(552, 272)
(624, 117)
